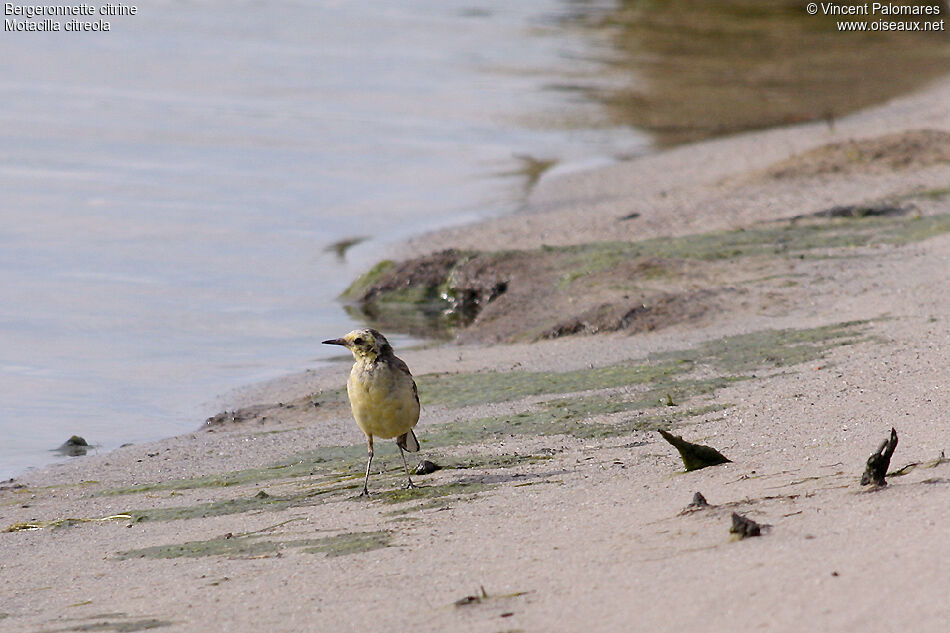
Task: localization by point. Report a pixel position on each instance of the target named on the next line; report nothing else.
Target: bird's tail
(408, 442)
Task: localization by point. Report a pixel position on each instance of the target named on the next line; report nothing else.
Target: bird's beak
(335, 341)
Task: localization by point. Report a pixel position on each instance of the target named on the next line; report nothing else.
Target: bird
(383, 395)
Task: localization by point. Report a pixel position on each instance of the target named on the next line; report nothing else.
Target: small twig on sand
(933, 463)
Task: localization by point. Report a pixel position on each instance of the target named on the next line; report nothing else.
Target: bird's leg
(404, 463)
(369, 461)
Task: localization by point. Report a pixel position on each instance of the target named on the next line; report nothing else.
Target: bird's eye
(357, 341)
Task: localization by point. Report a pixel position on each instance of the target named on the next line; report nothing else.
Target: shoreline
(547, 193)
(591, 195)
(549, 446)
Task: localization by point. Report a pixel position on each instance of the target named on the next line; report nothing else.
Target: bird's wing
(408, 442)
(401, 365)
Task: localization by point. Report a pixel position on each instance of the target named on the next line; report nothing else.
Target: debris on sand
(483, 597)
(743, 527)
(940, 460)
(698, 503)
(425, 467)
(877, 464)
(474, 599)
(695, 456)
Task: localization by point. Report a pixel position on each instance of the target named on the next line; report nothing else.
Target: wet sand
(559, 507)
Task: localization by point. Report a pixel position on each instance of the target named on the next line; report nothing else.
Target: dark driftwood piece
(877, 464)
(744, 526)
(695, 456)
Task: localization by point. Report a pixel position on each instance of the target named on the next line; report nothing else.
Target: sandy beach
(733, 306)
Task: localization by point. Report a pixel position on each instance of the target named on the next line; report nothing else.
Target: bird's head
(365, 343)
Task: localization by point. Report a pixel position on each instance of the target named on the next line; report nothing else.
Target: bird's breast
(382, 399)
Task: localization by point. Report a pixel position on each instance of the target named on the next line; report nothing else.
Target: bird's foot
(365, 492)
(409, 486)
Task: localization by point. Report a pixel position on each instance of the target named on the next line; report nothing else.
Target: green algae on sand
(546, 292)
(255, 546)
(458, 390)
(590, 403)
(571, 403)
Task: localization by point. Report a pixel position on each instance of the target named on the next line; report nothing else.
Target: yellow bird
(382, 393)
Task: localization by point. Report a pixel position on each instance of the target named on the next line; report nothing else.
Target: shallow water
(170, 188)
